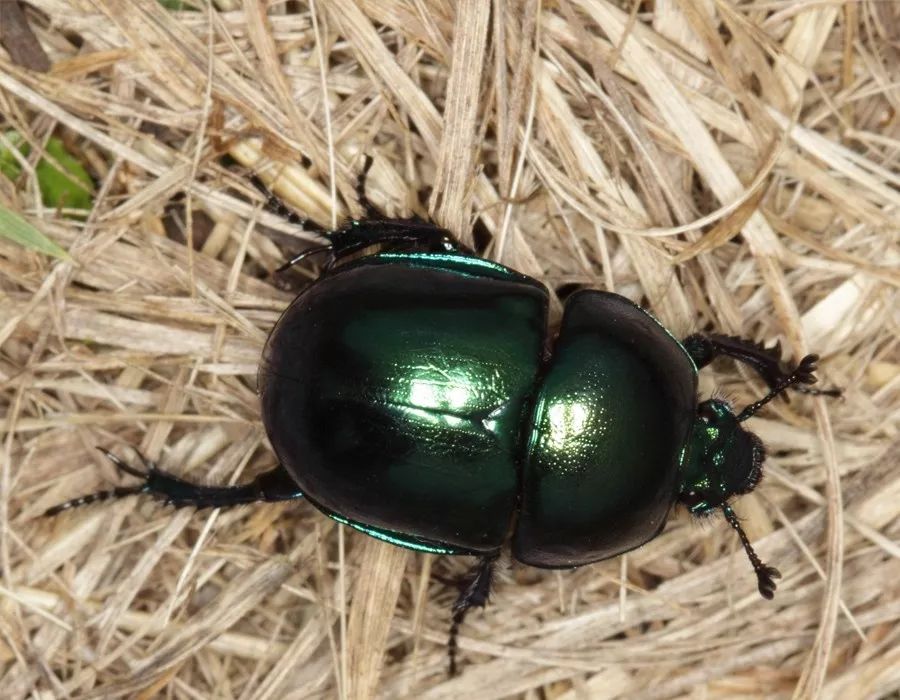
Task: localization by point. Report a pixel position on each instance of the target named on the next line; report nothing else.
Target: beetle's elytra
(418, 395)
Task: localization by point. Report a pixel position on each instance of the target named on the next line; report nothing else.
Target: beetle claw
(765, 577)
(805, 371)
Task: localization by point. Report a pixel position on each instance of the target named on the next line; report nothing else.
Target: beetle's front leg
(270, 486)
(703, 349)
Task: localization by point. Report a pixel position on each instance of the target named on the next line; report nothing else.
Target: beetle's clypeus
(418, 395)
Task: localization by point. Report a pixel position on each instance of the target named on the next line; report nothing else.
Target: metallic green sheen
(722, 459)
(395, 388)
(611, 418)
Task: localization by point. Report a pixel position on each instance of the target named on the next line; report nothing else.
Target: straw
(729, 166)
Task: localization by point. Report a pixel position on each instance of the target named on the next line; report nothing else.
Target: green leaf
(69, 186)
(9, 166)
(179, 5)
(17, 230)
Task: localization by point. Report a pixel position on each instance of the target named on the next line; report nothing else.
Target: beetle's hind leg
(270, 486)
(703, 349)
(476, 592)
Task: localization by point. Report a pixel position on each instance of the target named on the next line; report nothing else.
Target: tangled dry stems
(729, 165)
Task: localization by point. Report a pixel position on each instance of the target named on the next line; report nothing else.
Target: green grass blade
(14, 228)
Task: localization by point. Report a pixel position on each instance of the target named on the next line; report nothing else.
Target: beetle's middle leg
(398, 235)
(475, 594)
(413, 235)
(270, 486)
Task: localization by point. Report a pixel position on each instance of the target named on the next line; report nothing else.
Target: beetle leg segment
(475, 594)
(270, 486)
(408, 235)
(703, 349)
(802, 374)
(118, 492)
(368, 207)
(301, 256)
(276, 205)
(765, 575)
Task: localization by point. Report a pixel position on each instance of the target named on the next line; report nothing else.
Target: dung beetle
(416, 394)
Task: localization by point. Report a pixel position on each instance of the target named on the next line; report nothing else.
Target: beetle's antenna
(301, 256)
(765, 574)
(803, 374)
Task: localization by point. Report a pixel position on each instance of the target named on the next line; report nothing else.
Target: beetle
(415, 393)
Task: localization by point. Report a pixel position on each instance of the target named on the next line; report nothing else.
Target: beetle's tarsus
(276, 205)
(807, 377)
(331, 247)
(765, 574)
(833, 392)
(97, 497)
(804, 373)
(475, 594)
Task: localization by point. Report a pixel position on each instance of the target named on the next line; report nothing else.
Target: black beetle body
(408, 395)
(417, 394)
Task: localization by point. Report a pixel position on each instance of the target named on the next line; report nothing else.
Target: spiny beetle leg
(361, 197)
(270, 486)
(412, 235)
(804, 373)
(332, 246)
(703, 349)
(276, 205)
(408, 235)
(475, 594)
(765, 574)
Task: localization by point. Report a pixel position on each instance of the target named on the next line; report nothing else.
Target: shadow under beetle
(417, 395)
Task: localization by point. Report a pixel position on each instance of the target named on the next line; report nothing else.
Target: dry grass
(730, 165)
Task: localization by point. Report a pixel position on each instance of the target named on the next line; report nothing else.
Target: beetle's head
(722, 460)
